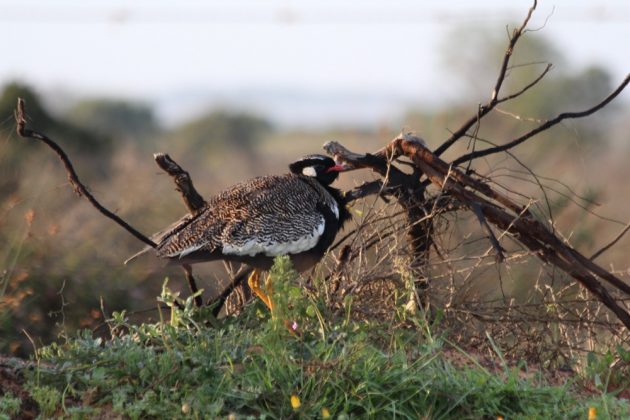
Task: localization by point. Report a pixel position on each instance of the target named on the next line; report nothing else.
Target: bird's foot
(254, 283)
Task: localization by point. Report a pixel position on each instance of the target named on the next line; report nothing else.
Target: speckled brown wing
(272, 215)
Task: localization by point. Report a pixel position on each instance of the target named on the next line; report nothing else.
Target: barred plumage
(271, 215)
(254, 221)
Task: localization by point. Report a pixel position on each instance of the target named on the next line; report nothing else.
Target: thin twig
(500, 257)
(219, 301)
(613, 242)
(494, 98)
(528, 86)
(545, 126)
(192, 283)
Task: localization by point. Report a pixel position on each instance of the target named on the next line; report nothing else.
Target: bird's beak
(338, 168)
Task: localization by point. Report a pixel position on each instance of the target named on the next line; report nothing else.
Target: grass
(255, 366)
(9, 406)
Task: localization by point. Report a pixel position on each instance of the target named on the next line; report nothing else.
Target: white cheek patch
(309, 171)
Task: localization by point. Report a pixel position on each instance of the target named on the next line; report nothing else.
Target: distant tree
(116, 119)
(222, 128)
(78, 139)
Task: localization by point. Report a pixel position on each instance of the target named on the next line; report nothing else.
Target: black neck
(344, 214)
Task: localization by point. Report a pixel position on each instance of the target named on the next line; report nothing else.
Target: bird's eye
(309, 171)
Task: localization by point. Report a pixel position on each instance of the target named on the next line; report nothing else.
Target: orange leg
(254, 283)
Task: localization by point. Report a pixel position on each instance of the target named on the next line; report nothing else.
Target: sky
(302, 63)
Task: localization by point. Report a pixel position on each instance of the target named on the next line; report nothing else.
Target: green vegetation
(220, 130)
(77, 138)
(116, 119)
(9, 406)
(255, 365)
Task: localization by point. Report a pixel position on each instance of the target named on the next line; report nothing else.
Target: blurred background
(239, 89)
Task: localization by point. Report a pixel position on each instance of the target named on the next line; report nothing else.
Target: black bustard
(296, 214)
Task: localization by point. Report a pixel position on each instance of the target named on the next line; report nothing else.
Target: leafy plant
(9, 406)
(47, 398)
(255, 366)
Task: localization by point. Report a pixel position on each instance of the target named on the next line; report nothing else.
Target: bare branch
(79, 188)
(613, 242)
(521, 225)
(366, 189)
(545, 126)
(192, 199)
(528, 86)
(516, 34)
(494, 98)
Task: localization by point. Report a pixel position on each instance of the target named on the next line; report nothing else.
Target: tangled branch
(500, 211)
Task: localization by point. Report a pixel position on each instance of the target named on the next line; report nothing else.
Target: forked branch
(544, 126)
(494, 97)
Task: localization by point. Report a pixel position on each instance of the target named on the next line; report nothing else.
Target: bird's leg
(269, 289)
(192, 284)
(254, 283)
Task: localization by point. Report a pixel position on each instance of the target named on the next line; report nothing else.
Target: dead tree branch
(494, 97)
(544, 126)
(409, 193)
(528, 231)
(489, 205)
(192, 199)
(77, 185)
(194, 203)
(495, 208)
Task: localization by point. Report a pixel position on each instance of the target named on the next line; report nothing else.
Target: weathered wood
(183, 183)
(524, 228)
(410, 195)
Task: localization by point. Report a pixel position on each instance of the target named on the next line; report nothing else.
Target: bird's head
(321, 167)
